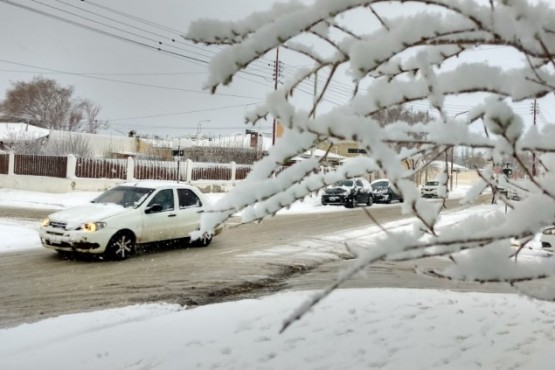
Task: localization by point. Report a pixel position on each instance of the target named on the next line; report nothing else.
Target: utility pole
(315, 93)
(276, 74)
(535, 112)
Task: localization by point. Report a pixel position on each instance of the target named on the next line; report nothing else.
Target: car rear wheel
(121, 246)
(369, 201)
(203, 241)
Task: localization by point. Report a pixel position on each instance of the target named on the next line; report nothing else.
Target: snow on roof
(318, 153)
(157, 184)
(239, 140)
(14, 131)
(441, 164)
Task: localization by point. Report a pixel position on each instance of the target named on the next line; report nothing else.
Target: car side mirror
(153, 208)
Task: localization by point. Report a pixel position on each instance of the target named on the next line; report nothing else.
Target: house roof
(239, 140)
(319, 153)
(17, 131)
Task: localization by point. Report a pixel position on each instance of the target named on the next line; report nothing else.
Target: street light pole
(535, 110)
(453, 156)
(199, 126)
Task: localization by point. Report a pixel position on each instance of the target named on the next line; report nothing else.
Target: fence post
(71, 166)
(130, 168)
(233, 170)
(11, 163)
(189, 177)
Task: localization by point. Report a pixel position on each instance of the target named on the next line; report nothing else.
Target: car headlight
(549, 231)
(94, 226)
(46, 222)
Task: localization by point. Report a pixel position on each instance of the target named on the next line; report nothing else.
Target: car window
(432, 183)
(126, 196)
(359, 183)
(380, 184)
(163, 198)
(348, 183)
(188, 198)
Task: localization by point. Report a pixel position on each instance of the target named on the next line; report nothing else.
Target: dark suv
(349, 193)
(382, 191)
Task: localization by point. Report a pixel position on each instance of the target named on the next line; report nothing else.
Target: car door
(159, 217)
(188, 216)
(360, 193)
(367, 190)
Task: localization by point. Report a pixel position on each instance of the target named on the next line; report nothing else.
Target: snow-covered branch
(403, 59)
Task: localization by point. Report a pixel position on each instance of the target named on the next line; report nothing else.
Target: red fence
(117, 168)
(4, 163)
(101, 168)
(40, 165)
(159, 170)
(241, 172)
(212, 172)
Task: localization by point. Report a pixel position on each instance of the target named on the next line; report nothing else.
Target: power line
(180, 113)
(161, 27)
(128, 82)
(113, 74)
(159, 49)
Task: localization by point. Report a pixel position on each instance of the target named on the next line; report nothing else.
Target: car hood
(92, 212)
(337, 190)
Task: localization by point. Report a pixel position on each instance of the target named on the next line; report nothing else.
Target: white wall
(59, 185)
(100, 144)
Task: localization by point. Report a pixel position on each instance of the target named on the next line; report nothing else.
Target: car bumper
(430, 194)
(547, 240)
(380, 197)
(334, 199)
(75, 240)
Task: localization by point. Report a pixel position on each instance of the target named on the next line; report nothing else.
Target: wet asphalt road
(240, 263)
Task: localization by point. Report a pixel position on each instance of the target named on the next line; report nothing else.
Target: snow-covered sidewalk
(352, 329)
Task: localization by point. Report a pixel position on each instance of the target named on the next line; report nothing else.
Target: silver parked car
(382, 191)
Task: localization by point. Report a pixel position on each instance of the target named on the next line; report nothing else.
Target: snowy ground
(357, 329)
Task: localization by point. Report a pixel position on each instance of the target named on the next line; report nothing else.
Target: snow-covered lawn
(356, 329)
(352, 329)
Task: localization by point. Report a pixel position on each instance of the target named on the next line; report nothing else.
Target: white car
(124, 216)
(430, 189)
(548, 238)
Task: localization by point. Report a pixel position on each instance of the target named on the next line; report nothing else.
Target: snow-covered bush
(408, 58)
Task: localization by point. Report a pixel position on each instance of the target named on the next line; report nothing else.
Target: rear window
(380, 184)
(348, 183)
(187, 198)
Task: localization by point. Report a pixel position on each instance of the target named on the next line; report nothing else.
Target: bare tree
(83, 117)
(77, 145)
(44, 103)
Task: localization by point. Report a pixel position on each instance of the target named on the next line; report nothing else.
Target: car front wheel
(121, 246)
(203, 241)
(369, 201)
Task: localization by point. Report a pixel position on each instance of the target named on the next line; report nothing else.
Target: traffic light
(507, 170)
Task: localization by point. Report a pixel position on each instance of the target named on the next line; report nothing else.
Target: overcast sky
(117, 66)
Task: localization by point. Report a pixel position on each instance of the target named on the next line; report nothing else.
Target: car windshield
(432, 183)
(380, 184)
(126, 196)
(347, 183)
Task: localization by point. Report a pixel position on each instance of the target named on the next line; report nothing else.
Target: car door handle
(172, 215)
